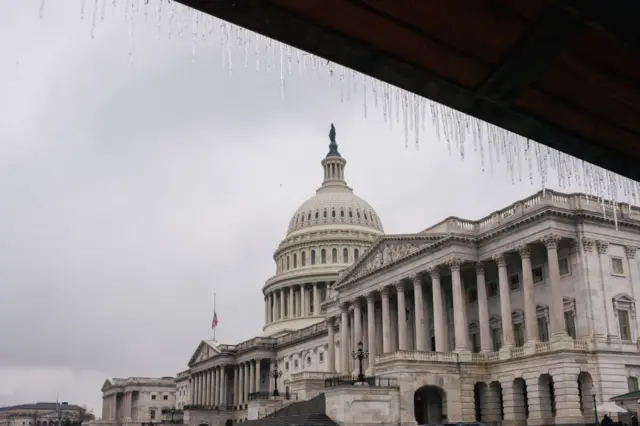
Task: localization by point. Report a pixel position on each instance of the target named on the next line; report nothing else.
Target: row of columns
(461, 328)
(291, 302)
(210, 388)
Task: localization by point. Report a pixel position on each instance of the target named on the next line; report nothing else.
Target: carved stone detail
(434, 272)
(603, 246)
(524, 251)
(479, 268)
(371, 297)
(631, 251)
(587, 244)
(551, 241)
(454, 264)
(399, 286)
(385, 255)
(384, 292)
(416, 279)
(499, 259)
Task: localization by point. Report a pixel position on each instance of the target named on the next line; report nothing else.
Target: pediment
(203, 352)
(106, 386)
(386, 251)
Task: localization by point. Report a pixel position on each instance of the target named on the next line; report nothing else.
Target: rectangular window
(617, 267)
(543, 329)
(632, 382)
(563, 265)
(514, 282)
(538, 274)
(518, 334)
(165, 397)
(153, 397)
(496, 336)
(570, 324)
(623, 320)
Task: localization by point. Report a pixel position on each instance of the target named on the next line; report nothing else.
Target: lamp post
(359, 355)
(275, 374)
(595, 407)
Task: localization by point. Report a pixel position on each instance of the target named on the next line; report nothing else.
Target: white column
(418, 301)
(558, 327)
(402, 317)
(438, 311)
(316, 299)
(258, 375)
(290, 311)
(386, 321)
(223, 387)
(459, 312)
(236, 380)
(331, 355)
(241, 384)
(246, 383)
(252, 377)
(357, 322)
(266, 310)
(281, 316)
(530, 318)
(371, 328)
(303, 301)
(483, 309)
(344, 338)
(508, 339)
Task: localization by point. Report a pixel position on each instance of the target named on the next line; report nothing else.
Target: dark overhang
(562, 73)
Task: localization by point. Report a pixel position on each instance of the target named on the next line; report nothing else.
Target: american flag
(214, 323)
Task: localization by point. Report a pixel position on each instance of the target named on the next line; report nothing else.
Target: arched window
(345, 255)
(313, 257)
(303, 258)
(334, 255)
(323, 256)
(356, 255)
(288, 265)
(295, 260)
(324, 213)
(317, 214)
(333, 212)
(341, 212)
(350, 213)
(309, 217)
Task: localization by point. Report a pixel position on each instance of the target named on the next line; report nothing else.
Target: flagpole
(214, 314)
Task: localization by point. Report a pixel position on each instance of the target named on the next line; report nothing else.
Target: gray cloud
(131, 194)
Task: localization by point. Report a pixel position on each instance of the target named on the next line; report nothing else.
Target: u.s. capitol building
(518, 318)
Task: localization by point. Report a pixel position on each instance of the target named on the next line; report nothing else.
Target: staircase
(302, 413)
(315, 405)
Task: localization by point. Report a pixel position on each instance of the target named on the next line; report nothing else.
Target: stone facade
(518, 318)
(137, 400)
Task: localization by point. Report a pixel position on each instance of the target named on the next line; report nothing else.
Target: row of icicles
(491, 143)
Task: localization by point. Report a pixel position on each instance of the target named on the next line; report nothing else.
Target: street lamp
(595, 407)
(359, 355)
(275, 374)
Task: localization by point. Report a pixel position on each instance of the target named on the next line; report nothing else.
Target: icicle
(41, 11)
(493, 145)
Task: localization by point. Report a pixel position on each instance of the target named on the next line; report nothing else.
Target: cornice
(301, 277)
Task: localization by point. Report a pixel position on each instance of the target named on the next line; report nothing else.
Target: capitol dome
(334, 206)
(327, 233)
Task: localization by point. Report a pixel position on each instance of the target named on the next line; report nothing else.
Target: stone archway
(430, 405)
(229, 422)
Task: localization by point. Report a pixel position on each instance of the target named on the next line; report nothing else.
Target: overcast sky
(131, 193)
